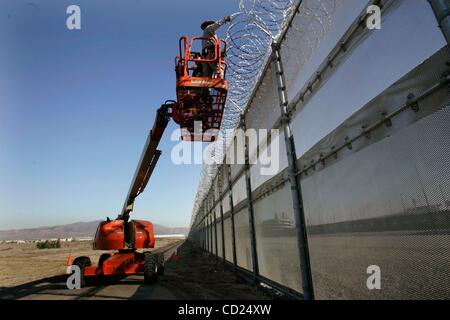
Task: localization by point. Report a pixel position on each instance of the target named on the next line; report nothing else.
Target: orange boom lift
(199, 100)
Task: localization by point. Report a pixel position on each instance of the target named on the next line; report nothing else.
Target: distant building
(161, 236)
(84, 239)
(423, 209)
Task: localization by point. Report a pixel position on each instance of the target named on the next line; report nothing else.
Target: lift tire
(160, 261)
(82, 262)
(150, 268)
(103, 258)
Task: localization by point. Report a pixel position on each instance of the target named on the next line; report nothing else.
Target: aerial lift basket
(200, 97)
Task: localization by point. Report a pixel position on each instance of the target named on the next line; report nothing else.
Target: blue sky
(76, 108)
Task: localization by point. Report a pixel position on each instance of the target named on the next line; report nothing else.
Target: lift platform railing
(188, 56)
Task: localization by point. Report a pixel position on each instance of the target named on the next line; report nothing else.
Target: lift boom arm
(148, 160)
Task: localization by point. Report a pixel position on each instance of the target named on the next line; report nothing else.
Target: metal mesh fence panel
(237, 168)
(223, 178)
(354, 80)
(383, 200)
(228, 240)
(213, 234)
(217, 190)
(393, 212)
(261, 172)
(313, 29)
(243, 247)
(226, 203)
(277, 244)
(208, 237)
(264, 109)
(239, 191)
(219, 239)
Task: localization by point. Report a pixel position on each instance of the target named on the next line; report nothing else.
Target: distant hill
(75, 230)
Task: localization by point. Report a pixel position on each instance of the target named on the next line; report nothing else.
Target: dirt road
(192, 275)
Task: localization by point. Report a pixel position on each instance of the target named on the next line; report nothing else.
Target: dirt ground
(189, 274)
(197, 275)
(22, 263)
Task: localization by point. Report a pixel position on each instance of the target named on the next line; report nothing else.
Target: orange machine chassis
(126, 239)
(124, 262)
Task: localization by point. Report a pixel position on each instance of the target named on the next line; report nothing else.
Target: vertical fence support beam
(208, 227)
(233, 233)
(441, 9)
(204, 230)
(204, 236)
(207, 230)
(299, 214)
(215, 233)
(208, 218)
(209, 233)
(251, 215)
(211, 240)
(205, 225)
(205, 222)
(221, 216)
(223, 232)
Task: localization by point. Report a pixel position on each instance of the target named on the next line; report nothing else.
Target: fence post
(233, 235)
(203, 234)
(215, 227)
(251, 215)
(299, 214)
(211, 242)
(202, 229)
(208, 229)
(221, 216)
(441, 9)
(205, 230)
(206, 234)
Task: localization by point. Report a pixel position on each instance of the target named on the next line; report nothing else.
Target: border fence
(364, 143)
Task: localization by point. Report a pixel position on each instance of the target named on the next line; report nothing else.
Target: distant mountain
(74, 230)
